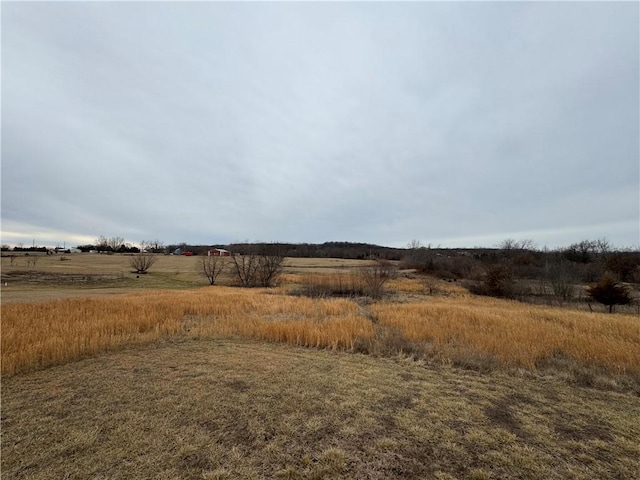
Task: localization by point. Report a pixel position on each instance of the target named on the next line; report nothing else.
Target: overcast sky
(456, 124)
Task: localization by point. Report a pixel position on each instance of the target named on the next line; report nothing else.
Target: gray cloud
(454, 123)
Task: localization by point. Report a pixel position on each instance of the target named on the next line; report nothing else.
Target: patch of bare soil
(231, 409)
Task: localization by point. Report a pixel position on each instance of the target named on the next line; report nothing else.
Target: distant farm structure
(218, 252)
(180, 251)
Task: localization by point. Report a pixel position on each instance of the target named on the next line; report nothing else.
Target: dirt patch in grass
(237, 409)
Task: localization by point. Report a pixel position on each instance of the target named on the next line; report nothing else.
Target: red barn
(219, 252)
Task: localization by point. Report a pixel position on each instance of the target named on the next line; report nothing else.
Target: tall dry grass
(336, 284)
(426, 285)
(37, 335)
(42, 334)
(516, 334)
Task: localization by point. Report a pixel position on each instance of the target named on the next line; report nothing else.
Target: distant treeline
(585, 261)
(6, 248)
(582, 262)
(346, 250)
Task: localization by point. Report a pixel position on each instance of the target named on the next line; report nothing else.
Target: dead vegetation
(475, 332)
(232, 409)
(208, 383)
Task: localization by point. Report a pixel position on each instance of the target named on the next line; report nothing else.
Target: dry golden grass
(345, 284)
(40, 334)
(322, 265)
(425, 285)
(516, 334)
(352, 283)
(198, 404)
(449, 329)
(80, 275)
(190, 409)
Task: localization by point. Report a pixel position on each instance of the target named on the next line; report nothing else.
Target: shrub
(142, 262)
(609, 292)
(212, 266)
(255, 269)
(561, 277)
(375, 276)
(497, 282)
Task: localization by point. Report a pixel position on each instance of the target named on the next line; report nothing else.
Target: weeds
(369, 280)
(471, 332)
(347, 284)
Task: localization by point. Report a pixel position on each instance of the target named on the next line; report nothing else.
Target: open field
(73, 275)
(113, 376)
(479, 332)
(232, 409)
(91, 274)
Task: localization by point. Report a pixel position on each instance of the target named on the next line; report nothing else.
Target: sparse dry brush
(338, 284)
(368, 280)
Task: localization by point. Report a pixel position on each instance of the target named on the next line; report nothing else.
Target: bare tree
(527, 244)
(102, 243)
(258, 269)
(212, 266)
(414, 244)
(111, 244)
(154, 246)
(508, 245)
(246, 267)
(375, 276)
(271, 265)
(143, 260)
(602, 246)
(115, 243)
(562, 279)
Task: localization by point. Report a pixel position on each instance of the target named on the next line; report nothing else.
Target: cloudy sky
(456, 124)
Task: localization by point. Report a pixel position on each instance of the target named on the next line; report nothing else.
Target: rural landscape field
(109, 374)
(315, 240)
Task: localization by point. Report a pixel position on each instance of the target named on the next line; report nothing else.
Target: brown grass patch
(233, 409)
(478, 333)
(516, 334)
(41, 334)
(338, 284)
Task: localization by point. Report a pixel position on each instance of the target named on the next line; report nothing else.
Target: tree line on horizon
(512, 269)
(585, 261)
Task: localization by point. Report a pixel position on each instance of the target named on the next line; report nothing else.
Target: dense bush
(609, 292)
(497, 282)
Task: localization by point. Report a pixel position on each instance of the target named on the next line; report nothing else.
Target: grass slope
(238, 409)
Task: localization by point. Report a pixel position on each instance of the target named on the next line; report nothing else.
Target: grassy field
(105, 375)
(478, 332)
(236, 409)
(73, 275)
